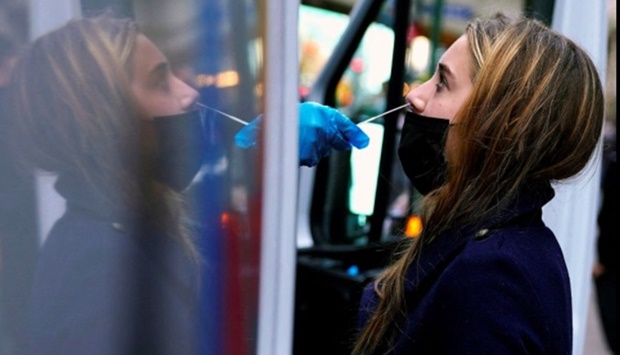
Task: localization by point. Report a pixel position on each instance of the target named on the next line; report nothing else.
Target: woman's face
(157, 90)
(444, 93)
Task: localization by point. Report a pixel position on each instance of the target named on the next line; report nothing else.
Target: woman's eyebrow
(445, 70)
(158, 71)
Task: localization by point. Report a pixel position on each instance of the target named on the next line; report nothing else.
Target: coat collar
(435, 256)
(107, 206)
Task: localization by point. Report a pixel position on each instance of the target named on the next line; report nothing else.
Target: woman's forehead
(146, 56)
(458, 59)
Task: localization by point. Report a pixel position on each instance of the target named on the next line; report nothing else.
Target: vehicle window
(319, 32)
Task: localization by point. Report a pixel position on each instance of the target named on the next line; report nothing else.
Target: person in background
(605, 269)
(96, 103)
(512, 107)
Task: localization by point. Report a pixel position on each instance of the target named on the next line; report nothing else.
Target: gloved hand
(320, 129)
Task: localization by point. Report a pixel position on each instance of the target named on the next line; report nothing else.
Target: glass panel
(18, 208)
(153, 242)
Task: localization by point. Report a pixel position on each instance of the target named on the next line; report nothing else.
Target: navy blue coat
(105, 287)
(500, 288)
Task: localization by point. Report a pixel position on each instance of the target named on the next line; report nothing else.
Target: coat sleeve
(492, 303)
(368, 303)
(85, 301)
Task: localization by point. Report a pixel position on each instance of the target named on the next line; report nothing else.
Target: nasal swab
(246, 123)
(383, 114)
(224, 114)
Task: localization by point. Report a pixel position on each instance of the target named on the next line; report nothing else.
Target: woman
(520, 106)
(96, 103)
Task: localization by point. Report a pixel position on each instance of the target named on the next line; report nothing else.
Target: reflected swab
(223, 113)
(383, 114)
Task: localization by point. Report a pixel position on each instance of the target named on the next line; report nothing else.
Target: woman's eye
(163, 83)
(442, 83)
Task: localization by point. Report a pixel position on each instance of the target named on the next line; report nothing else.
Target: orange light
(225, 218)
(406, 89)
(344, 93)
(225, 79)
(409, 87)
(414, 226)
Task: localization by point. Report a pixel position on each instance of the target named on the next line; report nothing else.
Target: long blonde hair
(73, 113)
(535, 113)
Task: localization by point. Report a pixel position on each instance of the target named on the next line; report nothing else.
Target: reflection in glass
(157, 250)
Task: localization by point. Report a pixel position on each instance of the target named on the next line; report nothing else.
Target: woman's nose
(188, 96)
(417, 98)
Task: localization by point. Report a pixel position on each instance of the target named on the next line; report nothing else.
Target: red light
(357, 65)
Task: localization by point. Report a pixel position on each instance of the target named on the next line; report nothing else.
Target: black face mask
(181, 145)
(421, 151)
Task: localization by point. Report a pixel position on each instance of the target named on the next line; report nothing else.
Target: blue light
(353, 270)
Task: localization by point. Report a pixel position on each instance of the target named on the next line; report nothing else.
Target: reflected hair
(535, 113)
(72, 101)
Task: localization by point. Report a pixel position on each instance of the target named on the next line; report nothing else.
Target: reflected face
(158, 92)
(444, 93)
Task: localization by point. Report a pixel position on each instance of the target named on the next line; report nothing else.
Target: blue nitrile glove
(320, 129)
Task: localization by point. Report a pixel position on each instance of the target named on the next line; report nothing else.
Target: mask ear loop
(236, 119)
